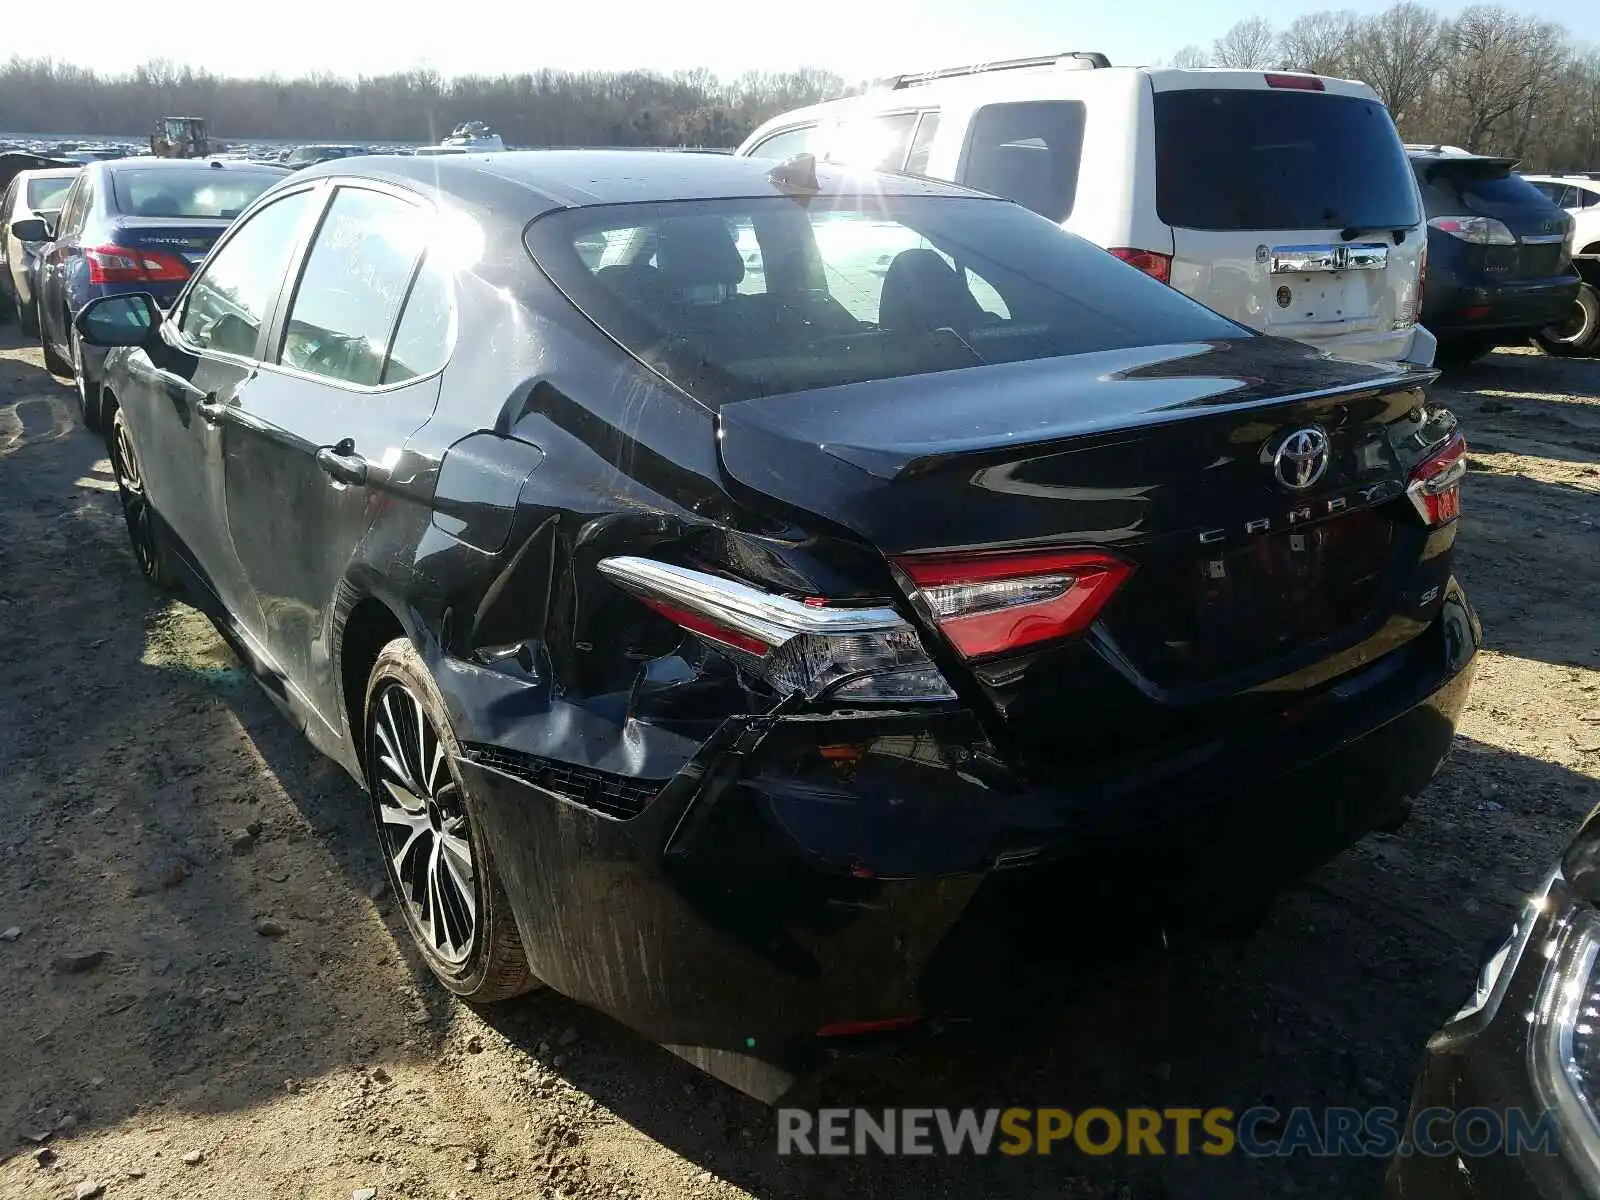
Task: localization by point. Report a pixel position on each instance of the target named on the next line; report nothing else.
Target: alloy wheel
(130, 489)
(423, 825)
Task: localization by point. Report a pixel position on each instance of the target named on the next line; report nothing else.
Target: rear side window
(47, 195)
(188, 193)
(786, 144)
(356, 277)
(876, 143)
(732, 299)
(1028, 153)
(427, 330)
(922, 144)
(1237, 159)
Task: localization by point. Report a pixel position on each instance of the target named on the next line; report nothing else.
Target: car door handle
(342, 463)
(211, 409)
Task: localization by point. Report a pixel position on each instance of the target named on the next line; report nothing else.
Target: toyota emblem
(1301, 458)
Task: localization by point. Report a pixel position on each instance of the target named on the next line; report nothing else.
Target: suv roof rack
(1075, 60)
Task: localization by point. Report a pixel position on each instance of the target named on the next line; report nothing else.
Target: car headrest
(699, 251)
(921, 292)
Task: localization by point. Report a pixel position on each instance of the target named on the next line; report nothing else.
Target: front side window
(48, 194)
(733, 299)
(154, 192)
(230, 299)
(356, 277)
(1029, 153)
(922, 144)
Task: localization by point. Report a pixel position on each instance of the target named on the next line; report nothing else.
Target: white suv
(1280, 199)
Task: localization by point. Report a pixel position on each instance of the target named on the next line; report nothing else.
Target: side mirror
(32, 229)
(126, 320)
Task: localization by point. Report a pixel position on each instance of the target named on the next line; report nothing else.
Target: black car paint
(695, 864)
(1509, 291)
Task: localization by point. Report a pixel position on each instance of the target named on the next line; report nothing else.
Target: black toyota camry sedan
(781, 607)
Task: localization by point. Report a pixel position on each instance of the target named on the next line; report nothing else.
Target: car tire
(88, 393)
(1580, 333)
(28, 319)
(8, 305)
(1463, 350)
(145, 532)
(53, 362)
(433, 846)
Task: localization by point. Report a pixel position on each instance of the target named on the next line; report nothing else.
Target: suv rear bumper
(1468, 304)
(811, 870)
(1413, 345)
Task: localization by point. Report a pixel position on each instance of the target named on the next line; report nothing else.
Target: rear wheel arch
(370, 626)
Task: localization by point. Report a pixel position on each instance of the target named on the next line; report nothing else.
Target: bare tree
(1250, 45)
(1397, 52)
(1190, 56)
(1320, 42)
(1497, 65)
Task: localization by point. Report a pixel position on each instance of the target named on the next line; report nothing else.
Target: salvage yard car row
(752, 590)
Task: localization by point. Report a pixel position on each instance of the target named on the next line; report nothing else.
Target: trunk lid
(1163, 456)
(190, 238)
(1292, 209)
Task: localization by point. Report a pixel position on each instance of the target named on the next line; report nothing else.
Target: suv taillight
(1435, 484)
(1157, 266)
(999, 602)
(812, 646)
(124, 264)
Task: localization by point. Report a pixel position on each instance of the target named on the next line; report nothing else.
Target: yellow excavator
(180, 137)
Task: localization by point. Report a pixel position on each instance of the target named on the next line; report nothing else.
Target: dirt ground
(154, 808)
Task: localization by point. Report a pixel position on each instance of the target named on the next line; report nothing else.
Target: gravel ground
(207, 996)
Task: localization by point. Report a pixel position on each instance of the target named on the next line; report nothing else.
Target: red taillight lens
(1435, 485)
(996, 603)
(1157, 266)
(124, 264)
(1300, 83)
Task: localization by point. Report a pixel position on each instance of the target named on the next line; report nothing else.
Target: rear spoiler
(1478, 165)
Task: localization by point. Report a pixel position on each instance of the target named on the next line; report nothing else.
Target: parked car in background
(131, 225)
(1279, 199)
(30, 194)
(310, 156)
(1499, 254)
(770, 657)
(1580, 196)
(1526, 1042)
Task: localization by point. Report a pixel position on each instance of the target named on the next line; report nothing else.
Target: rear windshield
(1450, 188)
(739, 298)
(1242, 159)
(46, 195)
(225, 192)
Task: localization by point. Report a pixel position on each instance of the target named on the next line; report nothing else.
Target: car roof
(147, 162)
(581, 178)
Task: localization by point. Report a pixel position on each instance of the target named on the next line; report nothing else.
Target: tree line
(1491, 80)
(538, 108)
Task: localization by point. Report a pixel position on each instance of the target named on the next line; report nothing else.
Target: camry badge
(1301, 458)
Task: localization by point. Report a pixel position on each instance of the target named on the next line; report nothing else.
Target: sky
(857, 38)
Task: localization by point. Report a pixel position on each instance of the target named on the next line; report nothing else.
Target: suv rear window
(1475, 185)
(733, 299)
(1236, 159)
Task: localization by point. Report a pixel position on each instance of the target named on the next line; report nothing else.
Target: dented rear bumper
(805, 870)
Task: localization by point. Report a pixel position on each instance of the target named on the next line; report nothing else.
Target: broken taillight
(998, 602)
(1154, 264)
(811, 646)
(1435, 484)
